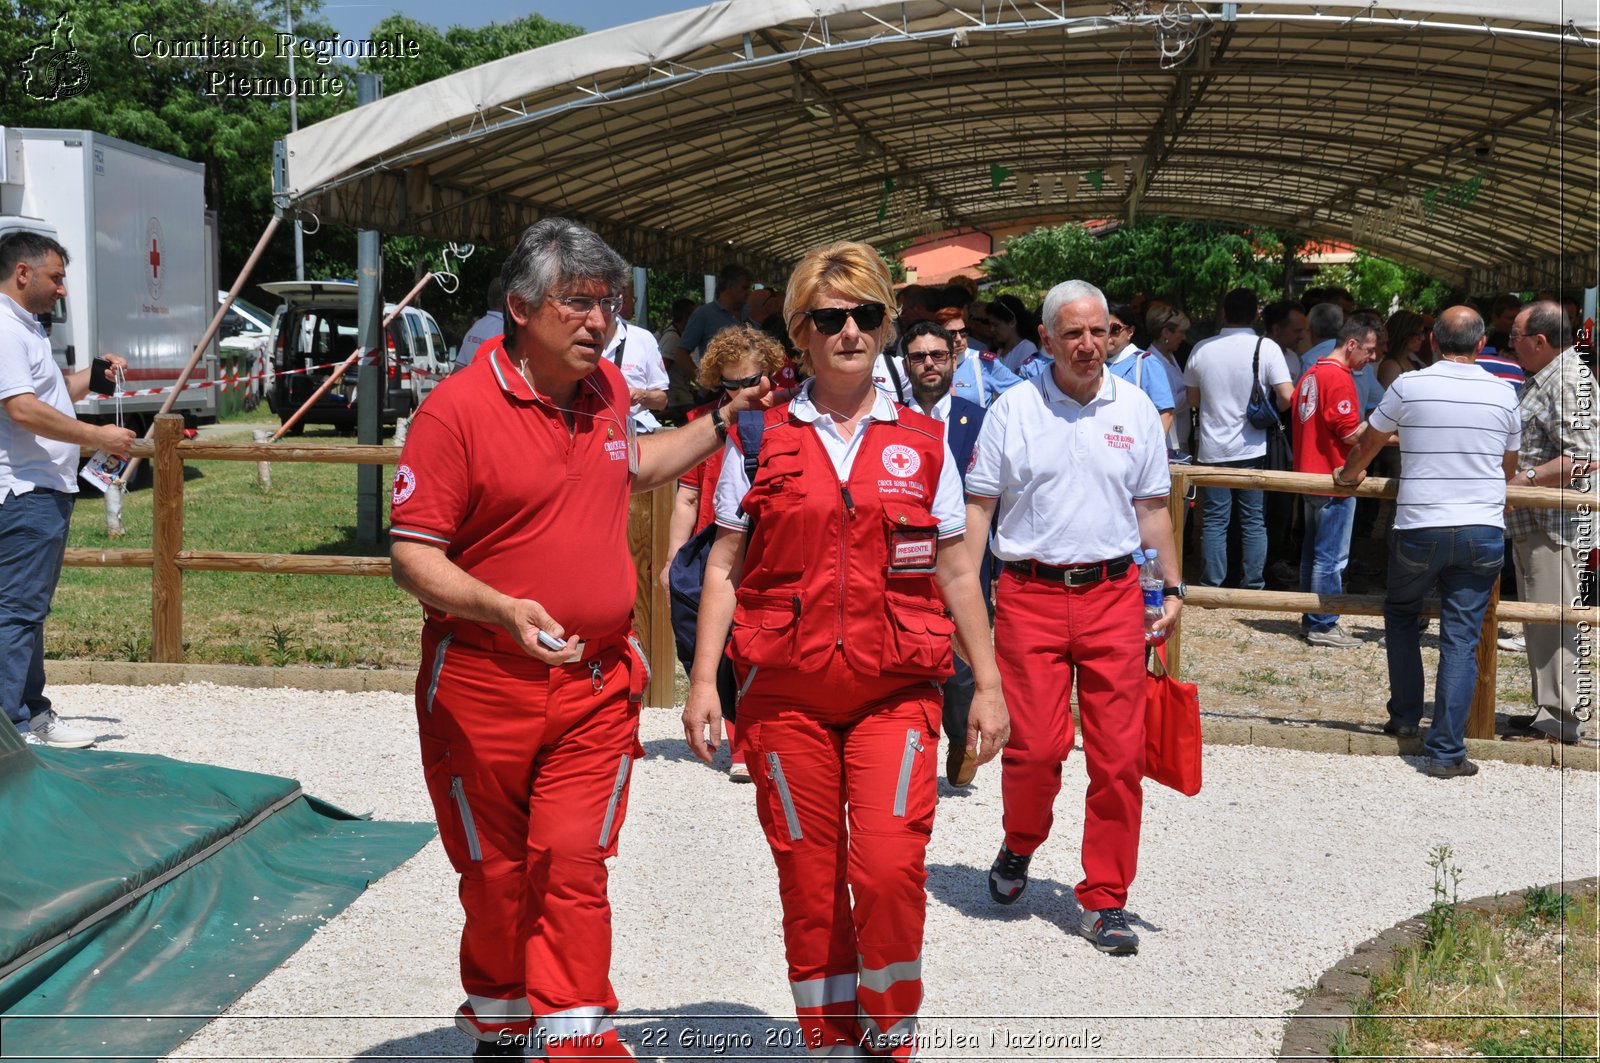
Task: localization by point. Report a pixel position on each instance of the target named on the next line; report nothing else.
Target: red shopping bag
(1171, 728)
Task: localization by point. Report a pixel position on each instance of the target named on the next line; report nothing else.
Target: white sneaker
(739, 771)
(1513, 644)
(30, 739)
(50, 729)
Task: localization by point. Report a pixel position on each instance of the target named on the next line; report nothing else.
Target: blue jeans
(1464, 563)
(33, 542)
(1216, 508)
(1325, 551)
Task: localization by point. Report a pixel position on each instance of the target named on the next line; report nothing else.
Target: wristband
(719, 424)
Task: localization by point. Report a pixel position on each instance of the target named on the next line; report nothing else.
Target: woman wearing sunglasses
(833, 570)
(735, 359)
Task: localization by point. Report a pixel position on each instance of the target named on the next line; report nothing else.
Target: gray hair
(555, 253)
(1548, 320)
(1324, 320)
(1358, 326)
(1461, 338)
(1069, 292)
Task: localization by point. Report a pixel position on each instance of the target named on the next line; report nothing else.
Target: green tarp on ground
(140, 896)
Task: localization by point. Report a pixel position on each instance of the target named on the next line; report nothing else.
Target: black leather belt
(1073, 575)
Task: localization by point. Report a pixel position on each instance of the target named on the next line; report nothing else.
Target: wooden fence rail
(650, 516)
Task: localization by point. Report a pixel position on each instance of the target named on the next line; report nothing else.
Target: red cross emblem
(155, 259)
(901, 461)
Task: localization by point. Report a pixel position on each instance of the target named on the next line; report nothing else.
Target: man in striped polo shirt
(1459, 435)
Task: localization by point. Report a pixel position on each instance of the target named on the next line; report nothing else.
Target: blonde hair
(1159, 317)
(732, 344)
(845, 270)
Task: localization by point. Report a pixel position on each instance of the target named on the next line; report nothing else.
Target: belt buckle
(1085, 576)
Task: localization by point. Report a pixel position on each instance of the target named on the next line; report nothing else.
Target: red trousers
(846, 781)
(528, 769)
(1046, 636)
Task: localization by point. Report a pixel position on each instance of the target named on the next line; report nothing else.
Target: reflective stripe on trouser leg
(486, 1018)
(804, 824)
(1107, 653)
(1031, 638)
(579, 1033)
(892, 776)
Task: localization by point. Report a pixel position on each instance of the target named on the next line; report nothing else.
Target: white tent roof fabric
(1455, 135)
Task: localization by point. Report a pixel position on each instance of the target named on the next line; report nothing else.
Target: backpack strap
(751, 426)
(622, 342)
(894, 376)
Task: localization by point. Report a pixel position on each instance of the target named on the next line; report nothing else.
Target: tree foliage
(1387, 286)
(1190, 263)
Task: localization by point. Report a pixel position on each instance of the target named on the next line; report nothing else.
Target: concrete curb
(1325, 1014)
(1313, 739)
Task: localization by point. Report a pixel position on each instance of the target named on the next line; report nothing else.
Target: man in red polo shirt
(509, 524)
(1327, 423)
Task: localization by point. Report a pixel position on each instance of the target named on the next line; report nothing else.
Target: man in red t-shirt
(509, 524)
(1327, 423)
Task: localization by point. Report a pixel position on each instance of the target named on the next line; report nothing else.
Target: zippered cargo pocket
(908, 760)
(624, 765)
(792, 817)
(438, 669)
(469, 828)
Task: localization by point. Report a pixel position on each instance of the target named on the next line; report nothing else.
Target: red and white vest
(845, 565)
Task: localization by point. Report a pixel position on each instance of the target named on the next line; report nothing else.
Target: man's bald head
(1458, 331)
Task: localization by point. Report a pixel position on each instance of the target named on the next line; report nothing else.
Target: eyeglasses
(958, 332)
(1116, 328)
(583, 305)
(829, 320)
(740, 383)
(931, 357)
(1513, 336)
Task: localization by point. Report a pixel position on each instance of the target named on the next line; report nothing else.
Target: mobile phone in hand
(550, 642)
(100, 377)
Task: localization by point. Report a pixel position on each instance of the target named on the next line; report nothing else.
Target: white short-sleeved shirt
(482, 331)
(1020, 355)
(1219, 368)
(1066, 475)
(1456, 422)
(27, 367)
(949, 505)
(641, 367)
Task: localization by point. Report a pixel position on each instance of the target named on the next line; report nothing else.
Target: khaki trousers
(1563, 683)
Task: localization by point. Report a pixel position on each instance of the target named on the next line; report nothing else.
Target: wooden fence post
(1480, 720)
(166, 540)
(649, 521)
(1178, 507)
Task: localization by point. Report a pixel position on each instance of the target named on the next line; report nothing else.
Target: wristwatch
(1531, 474)
(1180, 591)
(719, 424)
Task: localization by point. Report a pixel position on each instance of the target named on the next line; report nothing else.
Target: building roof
(1455, 135)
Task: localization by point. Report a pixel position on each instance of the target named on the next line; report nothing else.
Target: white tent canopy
(1456, 135)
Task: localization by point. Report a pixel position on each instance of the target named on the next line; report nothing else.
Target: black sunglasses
(740, 383)
(829, 320)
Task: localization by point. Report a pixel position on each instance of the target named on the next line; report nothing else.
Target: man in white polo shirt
(1459, 435)
(39, 440)
(1075, 463)
(1220, 382)
(633, 349)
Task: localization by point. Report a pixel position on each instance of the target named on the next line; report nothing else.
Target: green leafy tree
(1190, 263)
(1386, 286)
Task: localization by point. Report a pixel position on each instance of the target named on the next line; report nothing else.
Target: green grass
(239, 618)
(1514, 985)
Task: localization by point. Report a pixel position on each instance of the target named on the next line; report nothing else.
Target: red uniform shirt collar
(513, 383)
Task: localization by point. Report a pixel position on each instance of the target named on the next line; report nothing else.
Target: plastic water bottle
(1151, 583)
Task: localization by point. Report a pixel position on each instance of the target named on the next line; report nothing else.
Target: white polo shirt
(27, 367)
(1066, 475)
(641, 367)
(1219, 368)
(949, 505)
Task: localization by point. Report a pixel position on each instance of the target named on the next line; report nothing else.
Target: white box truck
(141, 280)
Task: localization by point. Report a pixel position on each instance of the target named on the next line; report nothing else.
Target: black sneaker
(1008, 876)
(1400, 730)
(1108, 929)
(1438, 769)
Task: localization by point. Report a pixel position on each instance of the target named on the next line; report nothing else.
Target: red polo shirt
(1326, 409)
(491, 474)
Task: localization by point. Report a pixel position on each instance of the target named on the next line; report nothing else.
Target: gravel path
(1246, 893)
